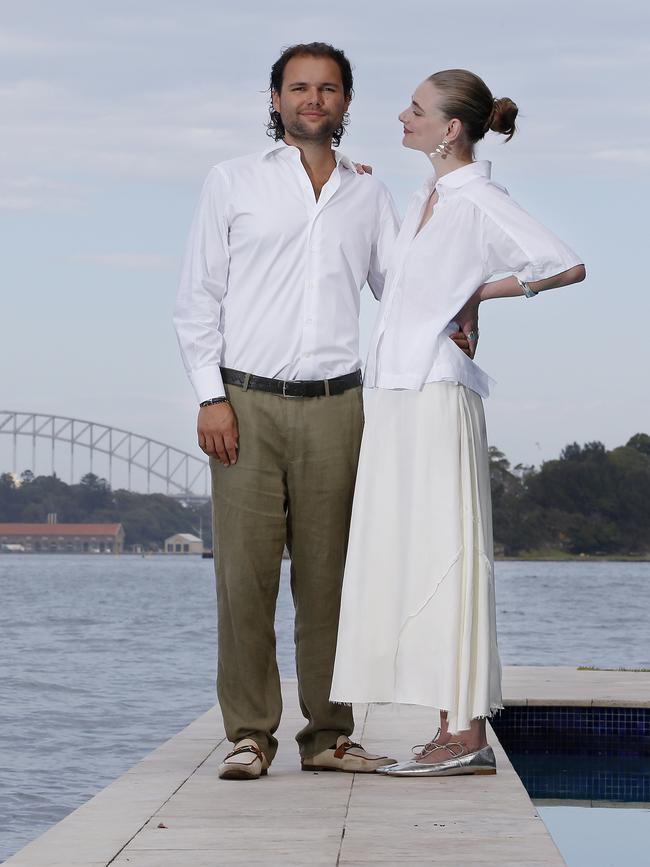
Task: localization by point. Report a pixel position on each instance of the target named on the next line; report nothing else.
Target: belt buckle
(286, 384)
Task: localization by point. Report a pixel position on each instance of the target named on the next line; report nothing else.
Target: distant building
(183, 543)
(62, 538)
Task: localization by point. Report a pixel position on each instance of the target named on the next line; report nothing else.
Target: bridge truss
(183, 474)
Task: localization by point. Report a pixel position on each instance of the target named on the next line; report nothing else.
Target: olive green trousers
(293, 483)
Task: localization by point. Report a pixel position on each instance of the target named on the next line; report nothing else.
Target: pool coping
(533, 686)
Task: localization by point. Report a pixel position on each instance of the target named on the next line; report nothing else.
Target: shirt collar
(277, 146)
(292, 152)
(459, 177)
(346, 162)
(453, 181)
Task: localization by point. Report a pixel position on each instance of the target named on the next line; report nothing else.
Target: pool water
(597, 807)
(600, 836)
(597, 779)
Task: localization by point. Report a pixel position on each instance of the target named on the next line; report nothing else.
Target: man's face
(311, 102)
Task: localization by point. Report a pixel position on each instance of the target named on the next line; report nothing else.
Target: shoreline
(532, 557)
(535, 557)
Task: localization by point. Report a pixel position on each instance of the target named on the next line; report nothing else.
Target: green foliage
(640, 442)
(588, 501)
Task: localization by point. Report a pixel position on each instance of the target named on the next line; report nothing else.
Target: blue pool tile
(590, 753)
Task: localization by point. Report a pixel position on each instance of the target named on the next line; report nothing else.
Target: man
(267, 320)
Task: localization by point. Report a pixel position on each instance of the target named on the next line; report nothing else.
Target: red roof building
(62, 538)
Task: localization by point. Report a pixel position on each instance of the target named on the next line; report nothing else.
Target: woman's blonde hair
(467, 97)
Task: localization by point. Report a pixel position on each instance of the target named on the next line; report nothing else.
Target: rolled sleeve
(514, 242)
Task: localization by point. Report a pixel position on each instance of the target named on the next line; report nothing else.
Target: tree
(517, 525)
(640, 442)
(7, 496)
(94, 494)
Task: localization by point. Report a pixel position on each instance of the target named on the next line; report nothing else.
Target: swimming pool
(587, 769)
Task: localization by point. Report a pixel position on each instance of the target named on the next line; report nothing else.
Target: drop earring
(443, 150)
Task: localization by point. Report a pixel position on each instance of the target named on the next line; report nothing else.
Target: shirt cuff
(543, 270)
(207, 383)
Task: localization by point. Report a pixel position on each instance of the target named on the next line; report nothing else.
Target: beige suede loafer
(245, 762)
(345, 756)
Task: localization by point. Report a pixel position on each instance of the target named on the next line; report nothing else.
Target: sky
(113, 112)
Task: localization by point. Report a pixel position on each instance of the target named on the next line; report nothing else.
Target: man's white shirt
(272, 277)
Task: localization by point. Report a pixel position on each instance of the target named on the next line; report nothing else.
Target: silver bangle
(528, 292)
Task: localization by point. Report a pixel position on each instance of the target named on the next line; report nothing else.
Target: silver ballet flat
(480, 762)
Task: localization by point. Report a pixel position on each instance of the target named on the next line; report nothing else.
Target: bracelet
(214, 400)
(528, 292)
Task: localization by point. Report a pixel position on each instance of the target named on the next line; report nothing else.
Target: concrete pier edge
(171, 809)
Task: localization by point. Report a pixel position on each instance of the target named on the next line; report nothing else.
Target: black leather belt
(292, 387)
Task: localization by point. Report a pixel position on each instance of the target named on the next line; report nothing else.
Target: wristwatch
(213, 401)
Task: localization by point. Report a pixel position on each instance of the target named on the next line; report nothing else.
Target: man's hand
(218, 432)
(363, 169)
(467, 319)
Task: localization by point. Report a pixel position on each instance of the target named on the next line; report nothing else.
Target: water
(574, 614)
(600, 836)
(103, 658)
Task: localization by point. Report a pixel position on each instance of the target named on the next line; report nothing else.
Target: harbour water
(102, 658)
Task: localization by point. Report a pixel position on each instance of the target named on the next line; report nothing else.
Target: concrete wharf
(171, 810)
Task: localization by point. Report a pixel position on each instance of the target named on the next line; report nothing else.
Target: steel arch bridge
(184, 475)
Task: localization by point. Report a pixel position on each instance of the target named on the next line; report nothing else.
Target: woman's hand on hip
(467, 319)
(462, 342)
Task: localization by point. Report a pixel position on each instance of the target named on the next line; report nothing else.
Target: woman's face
(424, 124)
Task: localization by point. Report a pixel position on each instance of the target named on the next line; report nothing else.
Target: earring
(443, 150)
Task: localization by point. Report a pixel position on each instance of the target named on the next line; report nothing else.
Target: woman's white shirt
(476, 232)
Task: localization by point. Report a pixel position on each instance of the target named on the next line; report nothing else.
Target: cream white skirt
(418, 618)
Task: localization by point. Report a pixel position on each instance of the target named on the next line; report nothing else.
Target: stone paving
(171, 810)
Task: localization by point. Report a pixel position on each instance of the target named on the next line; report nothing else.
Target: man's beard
(323, 133)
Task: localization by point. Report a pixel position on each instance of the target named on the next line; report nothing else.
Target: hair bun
(502, 119)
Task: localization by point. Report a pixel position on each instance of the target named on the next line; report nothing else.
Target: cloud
(163, 134)
(630, 156)
(39, 194)
(156, 95)
(618, 55)
(15, 45)
(145, 261)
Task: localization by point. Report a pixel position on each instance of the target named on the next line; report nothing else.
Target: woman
(418, 622)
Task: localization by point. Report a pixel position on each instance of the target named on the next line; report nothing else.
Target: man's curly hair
(274, 126)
